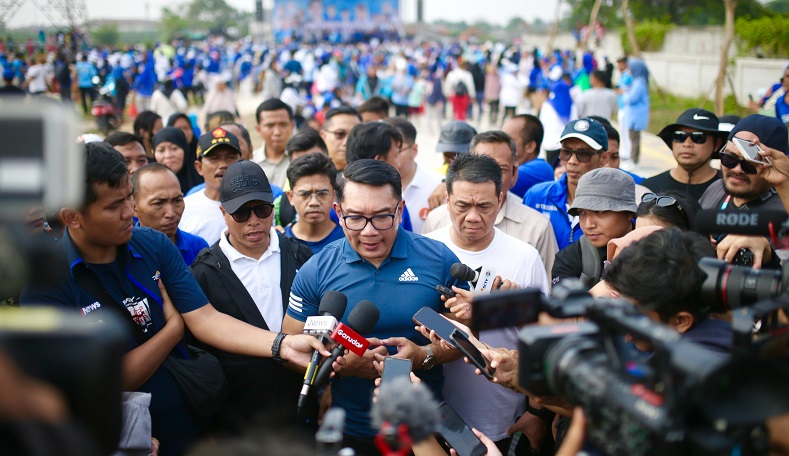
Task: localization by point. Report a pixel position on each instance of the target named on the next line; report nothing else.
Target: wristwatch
(275, 347)
(430, 360)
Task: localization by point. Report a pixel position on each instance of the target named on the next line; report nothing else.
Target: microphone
(363, 319)
(405, 412)
(332, 307)
(749, 223)
(481, 279)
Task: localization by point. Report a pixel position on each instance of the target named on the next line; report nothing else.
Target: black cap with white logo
(697, 119)
(244, 181)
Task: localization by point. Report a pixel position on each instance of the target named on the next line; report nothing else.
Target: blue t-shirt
(316, 247)
(130, 282)
(277, 191)
(189, 245)
(531, 173)
(413, 268)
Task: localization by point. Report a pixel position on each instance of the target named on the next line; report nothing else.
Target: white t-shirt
(37, 74)
(202, 217)
(482, 404)
(416, 194)
(260, 277)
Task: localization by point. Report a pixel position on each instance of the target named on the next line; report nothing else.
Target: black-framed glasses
(320, 195)
(698, 137)
(380, 222)
(730, 161)
(339, 135)
(261, 211)
(582, 155)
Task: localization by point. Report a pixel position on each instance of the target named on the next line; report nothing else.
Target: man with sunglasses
(743, 188)
(338, 124)
(694, 140)
(247, 274)
(584, 148)
(381, 262)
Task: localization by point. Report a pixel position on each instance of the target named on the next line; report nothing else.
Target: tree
(730, 6)
(516, 24)
(209, 16)
(106, 34)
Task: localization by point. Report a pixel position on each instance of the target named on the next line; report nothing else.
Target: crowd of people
(204, 239)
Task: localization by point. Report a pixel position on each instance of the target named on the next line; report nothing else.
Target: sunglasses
(698, 137)
(339, 135)
(663, 201)
(261, 211)
(582, 155)
(731, 162)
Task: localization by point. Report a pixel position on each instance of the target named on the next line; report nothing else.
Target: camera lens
(729, 287)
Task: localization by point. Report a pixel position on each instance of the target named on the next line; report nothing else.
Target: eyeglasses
(730, 161)
(583, 155)
(404, 148)
(339, 135)
(698, 137)
(320, 195)
(359, 222)
(261, 211)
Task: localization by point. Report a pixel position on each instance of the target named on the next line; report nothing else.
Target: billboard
(336, 21)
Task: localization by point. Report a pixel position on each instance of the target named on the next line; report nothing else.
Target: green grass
(664, 109)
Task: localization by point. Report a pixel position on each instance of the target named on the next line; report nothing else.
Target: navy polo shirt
(404, 283)
(189, 245)
(131, 281)
(317, 246)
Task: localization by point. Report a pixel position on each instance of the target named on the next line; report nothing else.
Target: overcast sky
(494, 11)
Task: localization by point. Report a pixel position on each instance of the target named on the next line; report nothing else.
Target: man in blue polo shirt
(159, 204)
(584, 148)
(115, 268)
(395, 269)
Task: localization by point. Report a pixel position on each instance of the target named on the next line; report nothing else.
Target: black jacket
(259, 387)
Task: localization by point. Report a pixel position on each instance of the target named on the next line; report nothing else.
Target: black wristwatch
(275, 347)
(430, 360)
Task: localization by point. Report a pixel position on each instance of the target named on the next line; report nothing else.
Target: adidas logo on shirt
(408, 276)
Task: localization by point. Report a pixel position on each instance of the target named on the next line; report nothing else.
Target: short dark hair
(406, 128)
(682, 214)
(532, 129)
(376, 105)
(244, 131)
(676, 287)
(122, 138)
(310, 165)
(600, 75)
(370, 140)
(339, 111)
(370, 172)
(103, 165)
(145, 122)
(493, 137)
(273, 104)
(149, 168)
(305, 139)
(474, 168)
(217, 118)
(610, 131)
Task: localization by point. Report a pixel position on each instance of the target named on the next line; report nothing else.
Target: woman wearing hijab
(636, 105)
(170, 148)
(167, 101)
(182, 122)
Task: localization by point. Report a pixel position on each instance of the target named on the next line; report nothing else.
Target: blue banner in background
(336, 21)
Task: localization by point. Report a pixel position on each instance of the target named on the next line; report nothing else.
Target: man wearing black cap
(694, 140)
(216, 150)
(743, 188)
(247, 274)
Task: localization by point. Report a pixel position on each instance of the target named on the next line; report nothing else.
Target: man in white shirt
(418, 181)
(216, 150)
(275, 125)
(474, 196)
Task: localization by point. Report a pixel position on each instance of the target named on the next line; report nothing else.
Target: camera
(729, 286)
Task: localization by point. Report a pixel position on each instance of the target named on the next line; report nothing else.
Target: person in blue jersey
(159, 203)
(527, 132)
(381, 262)
(311, 179)
(102, 250)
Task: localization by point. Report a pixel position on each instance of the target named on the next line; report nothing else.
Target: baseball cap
(244, 181)
(216, 138)
(455, 137)
(696, 118)
(605, 189)
(587, 130)
(770, 130)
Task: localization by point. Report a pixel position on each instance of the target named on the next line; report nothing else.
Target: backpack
(592, 268)
(460, 89)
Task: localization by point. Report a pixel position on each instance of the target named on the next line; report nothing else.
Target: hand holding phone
(470, 351)
(395, 368)
(447, 292)
(456, 433)
(750, 152)
(430, 319)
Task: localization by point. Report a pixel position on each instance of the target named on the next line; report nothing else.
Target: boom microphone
(402, 404)
(750, 223)
(332, 308)
(362, 319)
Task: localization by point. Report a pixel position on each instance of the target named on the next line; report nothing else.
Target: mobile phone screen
(395, 368)
(471, 352)
(432, 320)
(749, 152)
(506, 308)
(457, 434)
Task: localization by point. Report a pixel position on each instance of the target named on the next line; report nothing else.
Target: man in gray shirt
(597, 101)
